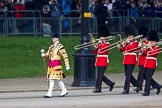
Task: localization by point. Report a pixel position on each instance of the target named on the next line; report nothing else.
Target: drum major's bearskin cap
(103, 31)
(153, 36)
(56, 35)
(130, 30)
(143, 30)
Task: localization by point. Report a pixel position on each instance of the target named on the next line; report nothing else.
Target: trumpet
(92, 42)
(122, 41)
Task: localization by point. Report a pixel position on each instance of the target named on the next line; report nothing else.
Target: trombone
(92, 42)
(156, 52)
(158, 43)
(150, 45)
(144, 46)
(122, 41)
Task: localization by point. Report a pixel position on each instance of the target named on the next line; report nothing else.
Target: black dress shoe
(145, 94)
(112, 86)
(138, 89)
(125, 92)
(47, 97)
(158, 89)
(96, 91)
(152, 88)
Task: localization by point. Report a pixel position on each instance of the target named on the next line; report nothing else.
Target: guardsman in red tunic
(152, 50)
(129, 47)
(142, 30)
(102, 60)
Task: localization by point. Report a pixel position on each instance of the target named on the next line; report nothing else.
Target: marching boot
(145, 94)
(158, 89)
(64, 91)
(96, 91)
(138, 89)
(50, 89)
(152, 88)
(112, 86)
(125, 92)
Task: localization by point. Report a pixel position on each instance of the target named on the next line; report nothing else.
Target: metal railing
(38, 25)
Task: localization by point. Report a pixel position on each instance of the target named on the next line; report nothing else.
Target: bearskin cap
(130, 30)
(153, 36)
(56, 35)
(103, 31)
(143, 30)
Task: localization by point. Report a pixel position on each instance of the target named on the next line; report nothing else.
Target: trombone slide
(122, 41)
(92, 42)
(83, 46)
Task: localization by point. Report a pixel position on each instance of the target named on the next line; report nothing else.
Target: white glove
(99, 41)
(95, 46)
(43, 54)
(118, 46)
(140, 44)
(67, 68)
(42, 50)
(128, 40)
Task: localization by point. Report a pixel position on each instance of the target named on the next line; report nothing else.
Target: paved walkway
(40, 83)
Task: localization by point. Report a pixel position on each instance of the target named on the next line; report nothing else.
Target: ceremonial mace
(44, 61)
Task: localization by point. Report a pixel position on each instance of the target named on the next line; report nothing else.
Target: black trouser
(149, 80)
(101, 77)
(140, 75)
(129, 78)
